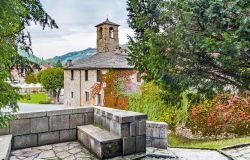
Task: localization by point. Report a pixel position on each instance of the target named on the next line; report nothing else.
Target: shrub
(45, 102)
(225, 113)
(27, 97)
(149, 101)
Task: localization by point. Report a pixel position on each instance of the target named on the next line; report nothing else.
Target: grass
(176, 141)
(35, 98)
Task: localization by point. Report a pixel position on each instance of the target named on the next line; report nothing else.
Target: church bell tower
(107, 36)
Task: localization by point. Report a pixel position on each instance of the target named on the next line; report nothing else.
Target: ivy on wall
(116, 84)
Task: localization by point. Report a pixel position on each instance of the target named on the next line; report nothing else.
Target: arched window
(111, 32)
(100, 33)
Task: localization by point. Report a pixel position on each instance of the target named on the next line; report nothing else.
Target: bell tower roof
(107, 22)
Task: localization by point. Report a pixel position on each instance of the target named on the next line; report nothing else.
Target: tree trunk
(58, 95)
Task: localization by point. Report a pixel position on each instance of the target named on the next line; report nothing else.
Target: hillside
(31, 57)
(76, 55)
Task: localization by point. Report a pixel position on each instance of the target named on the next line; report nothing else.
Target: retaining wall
(156, 134)
(48, 127)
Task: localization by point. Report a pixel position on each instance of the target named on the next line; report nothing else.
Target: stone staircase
(103, 143)
(114, 133)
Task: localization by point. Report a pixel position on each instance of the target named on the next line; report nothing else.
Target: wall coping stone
(5, 143)
(156, 124)
(120, 116)
(53, 112)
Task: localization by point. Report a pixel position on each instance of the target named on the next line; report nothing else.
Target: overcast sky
(76, 20)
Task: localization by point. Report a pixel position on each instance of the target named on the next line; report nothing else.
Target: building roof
(107, 60)
(107, 22)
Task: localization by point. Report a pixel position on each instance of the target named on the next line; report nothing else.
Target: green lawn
(35, 98)
(176, 141)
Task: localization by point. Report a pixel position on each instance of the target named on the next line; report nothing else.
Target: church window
(111, 32)
(86, 75)
(72, 74)
(98, 75)
(100, 33)
(86, 96)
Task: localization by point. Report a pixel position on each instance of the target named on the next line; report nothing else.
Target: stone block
(30, 115)
(107, 124)
(141, 117)
(140, 144)
(124, 130)
(5, 143)
(133, 126)
(148, 142)
(109, 115)
(115, 127)
(20, 126)
(83, 138)
(156, 132)
(126, 119)
(129, 145)
(149, 131)
(76, 120)
(48, 138)
(4, 131)
(88, 118)
(163, 133)
(68, 135)
(59, 112)
(25, 141)
(141, 129)
(85, 109)
(159, 143)
(97, 119)
(39, 124)
(155, 142)
(59, 122)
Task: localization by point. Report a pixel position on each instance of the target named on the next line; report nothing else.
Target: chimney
(69, 63)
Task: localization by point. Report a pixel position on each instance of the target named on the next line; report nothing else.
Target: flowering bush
(225, 113)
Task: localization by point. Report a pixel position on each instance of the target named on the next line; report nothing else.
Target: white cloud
(76, 20)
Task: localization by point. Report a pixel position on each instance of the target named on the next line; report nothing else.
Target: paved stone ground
(65, 151)
(197, 154)
(241, 153)
(75, 151)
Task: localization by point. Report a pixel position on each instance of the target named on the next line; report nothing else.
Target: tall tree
(59, 64)
(200, 45)
(53, 80)
(15, 15)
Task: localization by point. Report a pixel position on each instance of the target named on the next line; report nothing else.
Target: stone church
(82, 76)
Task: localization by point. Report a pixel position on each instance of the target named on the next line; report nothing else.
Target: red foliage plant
(225, 113)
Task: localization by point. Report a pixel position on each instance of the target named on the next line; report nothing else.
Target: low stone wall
(156, 133)
(130, 126)
(41, 128)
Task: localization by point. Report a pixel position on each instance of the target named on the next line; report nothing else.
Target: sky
(76, 20)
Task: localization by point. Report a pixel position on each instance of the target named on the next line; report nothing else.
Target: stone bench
(5, 145)
(103, 143)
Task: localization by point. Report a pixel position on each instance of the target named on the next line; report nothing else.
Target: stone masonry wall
(130, 126)
(42, 128)
(156, 133)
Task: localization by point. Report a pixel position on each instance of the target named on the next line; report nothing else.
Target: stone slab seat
(102, 142)
(5, 146)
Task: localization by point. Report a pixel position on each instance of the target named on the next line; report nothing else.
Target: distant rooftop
(107, 60)
(107, 22)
